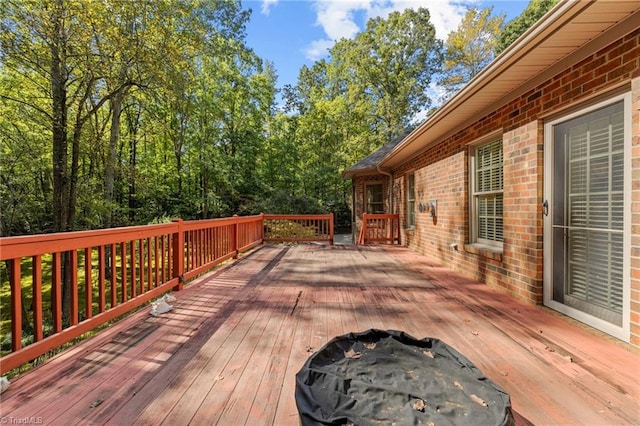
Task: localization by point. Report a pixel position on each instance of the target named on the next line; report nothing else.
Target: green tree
(392, 64)
(469, 48)
(53, 44)
(370, 89)
(71, 69)
(515, 28)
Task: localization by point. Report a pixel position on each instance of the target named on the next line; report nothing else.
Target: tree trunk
(110, 166)
(60, 200)
(110, 171)
(59, 79)
(133, 121)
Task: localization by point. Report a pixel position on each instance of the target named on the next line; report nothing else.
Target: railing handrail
(33, 245)
(324, 224)
(146, 261)
(298, 216)
(371, 216)
(387, 221)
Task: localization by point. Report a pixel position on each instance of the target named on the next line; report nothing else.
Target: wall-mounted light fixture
(432, 207)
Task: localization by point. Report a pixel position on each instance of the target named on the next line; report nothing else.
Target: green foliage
(393, 62)
(162, 111)
(152, 110)
(515, 28)
(469, 48)
(282, 202)
(343, 108)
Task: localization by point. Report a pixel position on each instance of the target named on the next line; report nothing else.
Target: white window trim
(623, 332)
(411, 226)
(473, 219)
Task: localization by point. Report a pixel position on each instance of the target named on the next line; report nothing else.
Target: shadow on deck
(228, 352)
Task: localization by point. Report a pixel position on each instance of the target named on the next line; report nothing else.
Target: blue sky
(293, 33)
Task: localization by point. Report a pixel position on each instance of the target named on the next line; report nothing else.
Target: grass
(26, 269)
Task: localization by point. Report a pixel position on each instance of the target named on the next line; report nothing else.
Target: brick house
(532, 170)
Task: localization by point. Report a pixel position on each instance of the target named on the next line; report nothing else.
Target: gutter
(559, 15)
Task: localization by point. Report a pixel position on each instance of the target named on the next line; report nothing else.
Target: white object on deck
(4, 384)
(161, 305)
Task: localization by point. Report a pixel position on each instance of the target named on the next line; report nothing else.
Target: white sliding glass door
(586, 272)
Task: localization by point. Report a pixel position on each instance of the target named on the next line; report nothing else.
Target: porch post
(331, 229)
(236, 236)
(178, 254)
(261, 228)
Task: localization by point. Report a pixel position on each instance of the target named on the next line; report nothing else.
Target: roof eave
(348, 174)
(558, 16)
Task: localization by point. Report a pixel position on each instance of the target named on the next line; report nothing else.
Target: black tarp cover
(380, 377)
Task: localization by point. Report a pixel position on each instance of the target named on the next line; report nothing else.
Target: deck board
(229, 351)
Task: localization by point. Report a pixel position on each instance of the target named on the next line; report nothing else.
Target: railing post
(236, 236)
(178, 254)
(16, 304)
(261, 228)
(363, 229)
(331, 228)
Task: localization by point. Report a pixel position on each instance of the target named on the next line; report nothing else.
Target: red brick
(442, 173)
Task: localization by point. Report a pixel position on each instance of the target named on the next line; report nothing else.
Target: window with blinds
(590, 205)
(487, 184)
(374, 198)
(411, 200)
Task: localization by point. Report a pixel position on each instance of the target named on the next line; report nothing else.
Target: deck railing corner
(96, 276)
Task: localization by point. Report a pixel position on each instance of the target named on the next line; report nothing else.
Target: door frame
(623, 332)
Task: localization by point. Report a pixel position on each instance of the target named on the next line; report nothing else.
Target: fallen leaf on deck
(478, 400)
(428, 353)
(351, 354)
(94, 404)
(218, 378)
(309, 348)
(419, 405)
(457, 384)
(475, 333)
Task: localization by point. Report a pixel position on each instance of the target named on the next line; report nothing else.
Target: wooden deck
(228, 352)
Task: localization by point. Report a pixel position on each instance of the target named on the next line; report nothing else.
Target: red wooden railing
(297, 228)
(113, 271)
(379, 228)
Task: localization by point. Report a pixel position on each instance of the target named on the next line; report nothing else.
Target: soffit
(570, 29)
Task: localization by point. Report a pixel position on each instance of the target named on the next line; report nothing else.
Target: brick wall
(523, 222)
(359, 184)
(441, 174)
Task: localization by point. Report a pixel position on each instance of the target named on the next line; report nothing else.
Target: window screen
(487, 193)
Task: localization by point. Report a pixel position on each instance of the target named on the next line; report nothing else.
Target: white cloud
(318, 49)
(337, 17)
(445, 16)
(266, 6)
